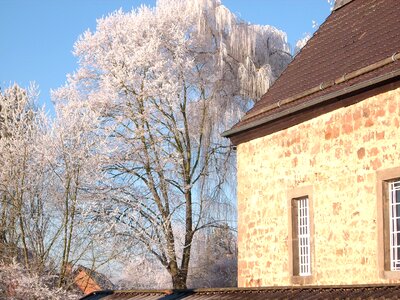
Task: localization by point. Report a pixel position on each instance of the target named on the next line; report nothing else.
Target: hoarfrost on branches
(301, 43)
(18, 284)
(50, 168)
(165, 82)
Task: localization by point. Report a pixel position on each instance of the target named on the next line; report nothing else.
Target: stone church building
(318, 159)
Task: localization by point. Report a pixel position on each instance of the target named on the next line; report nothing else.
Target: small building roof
(100, 279)
(357, 48)
(390, 291)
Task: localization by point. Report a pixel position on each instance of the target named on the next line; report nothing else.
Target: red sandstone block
(336, 132)
(332, 132)
(242, 265)
(328, 135)
(328, 132)
(392, 107)
(396, 122)
(339, 252)
(373, 151)
(360, 178)
(336, 206)
(380, 135)
(364, 260)
(357, 114)
(315, 149)
(380, 112)
(348, 148)
(357, 124)
(369, 122)
(347, 117)
(366, 112)
(361, 153)
(295, 139)
(347, 128)
(376, 163)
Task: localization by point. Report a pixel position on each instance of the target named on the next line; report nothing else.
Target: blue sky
(37, 36)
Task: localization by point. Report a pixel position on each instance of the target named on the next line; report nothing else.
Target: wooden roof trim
(325, 85)
(247, 289)
(341, 291)
(313, 102)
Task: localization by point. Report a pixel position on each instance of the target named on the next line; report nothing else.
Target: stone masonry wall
(337, 154)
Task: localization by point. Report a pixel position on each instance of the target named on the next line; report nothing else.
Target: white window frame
(304, 236)
(394, 216)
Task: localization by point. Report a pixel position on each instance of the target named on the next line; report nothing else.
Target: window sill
(391, 274)
(302, 280)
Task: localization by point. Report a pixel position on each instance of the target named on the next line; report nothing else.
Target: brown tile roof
(356, 35)
(321, 292)
(87, 278)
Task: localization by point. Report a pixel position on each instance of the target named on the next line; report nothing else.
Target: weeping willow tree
(166, 81)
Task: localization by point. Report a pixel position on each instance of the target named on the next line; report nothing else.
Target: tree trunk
(179, 280)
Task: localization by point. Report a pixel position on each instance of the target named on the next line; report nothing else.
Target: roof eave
(312, 102)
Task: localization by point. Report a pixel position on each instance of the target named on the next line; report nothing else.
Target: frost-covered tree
(133, 270)
(74, 168)
(214, 259)
(22, 221)
(48, 172)
(165, 82)
(301, 43)
(16, 283)
(213, 264)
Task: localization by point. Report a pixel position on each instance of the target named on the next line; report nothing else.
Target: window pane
(394, 216)
(397, 210)
(303, 237)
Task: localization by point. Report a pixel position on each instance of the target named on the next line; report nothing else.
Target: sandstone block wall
(338, 155)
